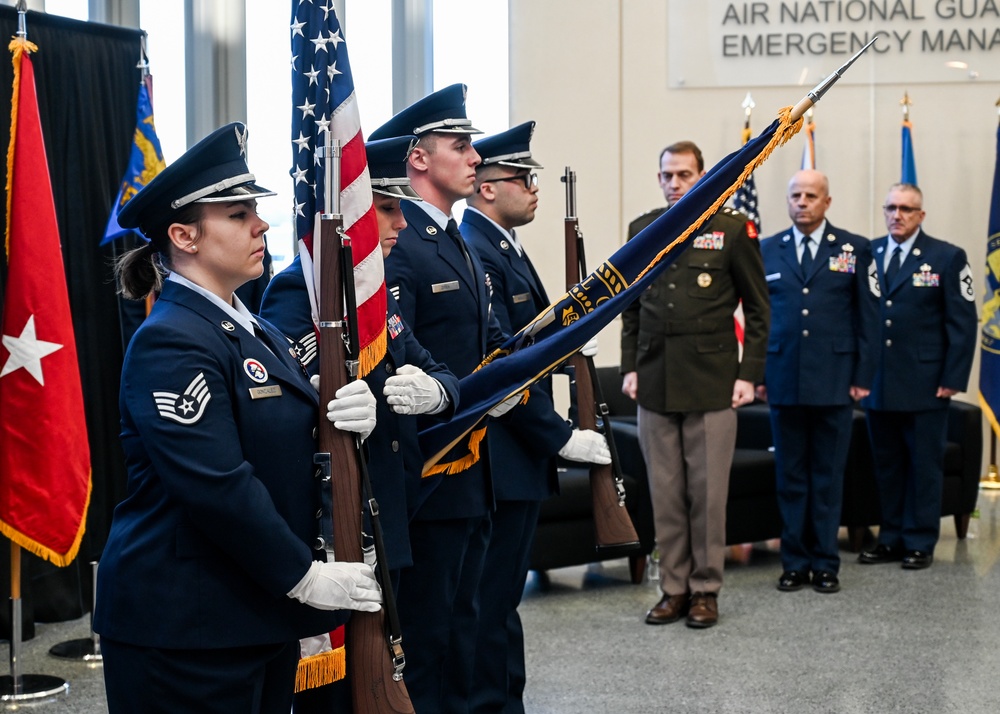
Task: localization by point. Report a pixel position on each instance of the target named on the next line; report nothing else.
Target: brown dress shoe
(669, 609)
(703, 610)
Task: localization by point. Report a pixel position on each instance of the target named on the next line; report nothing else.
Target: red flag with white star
(44, 455)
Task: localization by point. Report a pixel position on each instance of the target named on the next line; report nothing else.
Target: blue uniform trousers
(500, 675)
(439, 611)
(909, 467)
(257, 679)
(810, 449)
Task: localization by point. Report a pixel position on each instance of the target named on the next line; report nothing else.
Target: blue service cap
(387, 166)
(508, 148)
(211, 171)
(441, 111)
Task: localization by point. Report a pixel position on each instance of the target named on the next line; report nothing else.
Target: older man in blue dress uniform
(820, 360)
(928, 341)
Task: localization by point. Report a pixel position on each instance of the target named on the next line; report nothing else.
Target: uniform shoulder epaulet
(643, 220)
(731, 217)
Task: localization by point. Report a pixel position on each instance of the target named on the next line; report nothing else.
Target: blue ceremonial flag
(909, 173)
(989, 364)
(145, 161)
(542, 345)
(745, 199)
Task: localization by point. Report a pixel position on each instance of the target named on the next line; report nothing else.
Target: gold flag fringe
(34, 547)
(450, 468)
(372, 354)
(321, 669)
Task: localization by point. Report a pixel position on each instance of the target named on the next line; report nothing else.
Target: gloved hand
(412, 391)
(314, 381)
(506, 405)
(339, 586)
(353, 408)
(589, 349)
(587, 446)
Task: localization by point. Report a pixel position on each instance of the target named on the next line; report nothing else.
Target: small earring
(194, 249)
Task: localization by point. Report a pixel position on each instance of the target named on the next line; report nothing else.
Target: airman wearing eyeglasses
(928, 319)
(524, 445)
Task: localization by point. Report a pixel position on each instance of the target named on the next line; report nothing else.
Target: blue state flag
(989, 364)
(909, 173)
(145, 161)
(558, 332)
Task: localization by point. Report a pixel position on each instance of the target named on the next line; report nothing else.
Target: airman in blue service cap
(509, 148)
(387, 166)
(442, 111)
(211, 171)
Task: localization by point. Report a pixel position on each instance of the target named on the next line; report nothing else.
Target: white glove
(353, 408)
(339, 586)
(589, 349)
(411, 391)
(506, 405)
(587, 446)
(314, 381)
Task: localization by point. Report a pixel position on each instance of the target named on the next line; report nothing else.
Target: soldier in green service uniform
(681, 363)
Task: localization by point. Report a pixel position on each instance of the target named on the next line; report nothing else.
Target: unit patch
(255, 370)
(185, 408)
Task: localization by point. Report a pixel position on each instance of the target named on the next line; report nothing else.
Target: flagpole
(23, 687)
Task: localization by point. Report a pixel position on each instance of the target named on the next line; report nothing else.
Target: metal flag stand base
(23, 687)
(85, 649)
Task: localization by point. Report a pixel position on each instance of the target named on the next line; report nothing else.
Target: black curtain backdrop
(88, 85)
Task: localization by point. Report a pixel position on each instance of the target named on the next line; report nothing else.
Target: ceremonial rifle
(374, 654)
(612, 524)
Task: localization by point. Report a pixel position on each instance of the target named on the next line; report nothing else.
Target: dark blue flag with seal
(145, 161)
(542, 345)
(989, 354)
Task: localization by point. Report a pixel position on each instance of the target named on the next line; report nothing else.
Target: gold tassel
(321, 669)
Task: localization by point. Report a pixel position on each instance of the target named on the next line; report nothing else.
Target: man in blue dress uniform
(928, 339)
(820, 360)
(524, 444)
(443, 297)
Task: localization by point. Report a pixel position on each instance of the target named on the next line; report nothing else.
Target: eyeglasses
(529, 180)
(905, 210)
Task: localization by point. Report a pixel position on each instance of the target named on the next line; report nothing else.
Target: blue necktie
(807, 256)
(893, 267)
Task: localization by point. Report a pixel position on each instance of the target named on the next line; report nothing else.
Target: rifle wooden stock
(612, 523)
(376, 683)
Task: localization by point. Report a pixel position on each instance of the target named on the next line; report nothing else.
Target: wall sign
(798, 42)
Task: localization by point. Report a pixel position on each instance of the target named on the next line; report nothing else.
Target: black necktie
(452, 230)
(807, 256)
(893, 267)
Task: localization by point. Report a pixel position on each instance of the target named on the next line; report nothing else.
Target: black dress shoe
(792, 580)
(917, 560)
(826, 582)
(880, 554)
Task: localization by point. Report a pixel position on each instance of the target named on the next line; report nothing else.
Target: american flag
(324, 104)
(745, 199)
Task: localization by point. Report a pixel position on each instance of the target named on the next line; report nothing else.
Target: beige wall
(593, 74)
